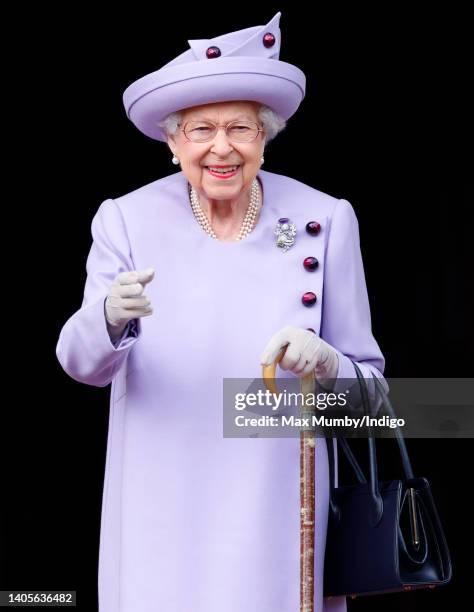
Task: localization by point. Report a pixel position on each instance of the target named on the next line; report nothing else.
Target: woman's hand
(305, 352)
(125, 300)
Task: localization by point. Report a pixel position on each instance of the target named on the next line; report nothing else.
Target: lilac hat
(241, 65)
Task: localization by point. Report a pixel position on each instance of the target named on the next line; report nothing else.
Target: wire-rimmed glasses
(236, 131)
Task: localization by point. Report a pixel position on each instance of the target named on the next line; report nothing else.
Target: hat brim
(279, 85)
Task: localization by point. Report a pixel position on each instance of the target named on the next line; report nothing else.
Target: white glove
(305, 352)
(126, 302)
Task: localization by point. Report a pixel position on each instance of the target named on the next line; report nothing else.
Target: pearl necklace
(249, 219)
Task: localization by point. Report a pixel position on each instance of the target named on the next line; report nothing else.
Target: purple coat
(193, 521)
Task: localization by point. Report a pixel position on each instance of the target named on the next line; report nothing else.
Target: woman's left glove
(305, 352)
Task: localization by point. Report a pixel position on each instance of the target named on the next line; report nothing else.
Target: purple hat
(241, 65)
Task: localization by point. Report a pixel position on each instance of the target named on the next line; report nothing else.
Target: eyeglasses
(237, 131)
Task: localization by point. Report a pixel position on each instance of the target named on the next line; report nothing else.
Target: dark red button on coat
(310, 263)
(313, 228)
(309, 298)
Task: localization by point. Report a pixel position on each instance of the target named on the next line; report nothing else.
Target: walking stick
(307, 485)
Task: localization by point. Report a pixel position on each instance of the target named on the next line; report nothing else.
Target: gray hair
(272, 122)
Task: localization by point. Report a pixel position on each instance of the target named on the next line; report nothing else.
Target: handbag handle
(407, 467)
(377, 504)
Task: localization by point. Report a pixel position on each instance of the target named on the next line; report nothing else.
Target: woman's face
(221, 151)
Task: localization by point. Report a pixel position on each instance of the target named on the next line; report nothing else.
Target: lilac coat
(193, 521)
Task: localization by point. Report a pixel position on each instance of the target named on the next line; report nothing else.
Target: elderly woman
(199, 276)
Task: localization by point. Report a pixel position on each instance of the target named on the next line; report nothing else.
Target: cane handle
(268, 375)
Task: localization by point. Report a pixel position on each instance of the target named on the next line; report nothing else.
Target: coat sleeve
(346, 320)
(84, 348)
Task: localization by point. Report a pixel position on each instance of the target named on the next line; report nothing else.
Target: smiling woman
(247, 262)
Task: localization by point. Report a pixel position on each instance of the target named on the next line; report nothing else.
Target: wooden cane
(307, 485)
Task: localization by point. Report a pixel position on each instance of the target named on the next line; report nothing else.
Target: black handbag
(382, 537)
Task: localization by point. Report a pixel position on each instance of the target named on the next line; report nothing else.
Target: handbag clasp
(415, 537)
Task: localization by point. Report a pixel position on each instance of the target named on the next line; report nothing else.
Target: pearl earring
(175, 160)
(262, 159)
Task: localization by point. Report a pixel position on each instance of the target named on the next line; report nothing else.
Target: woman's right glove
(305, 352)
(126, 302)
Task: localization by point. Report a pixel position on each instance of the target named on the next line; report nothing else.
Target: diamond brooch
(285, 233)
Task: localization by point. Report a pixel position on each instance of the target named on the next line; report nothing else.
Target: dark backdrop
(385, 124)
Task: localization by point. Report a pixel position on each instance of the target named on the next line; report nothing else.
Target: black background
(385, 124)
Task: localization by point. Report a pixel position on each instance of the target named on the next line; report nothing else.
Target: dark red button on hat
(213, 52)
(309, 298)
(268, 40)
(313, 228)
(310, 263)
